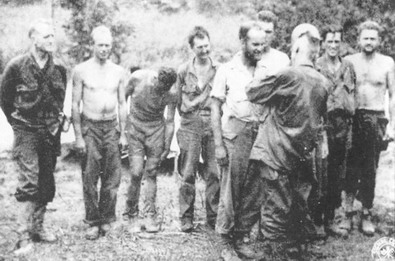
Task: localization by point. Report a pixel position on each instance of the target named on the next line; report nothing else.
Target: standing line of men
(260, 126)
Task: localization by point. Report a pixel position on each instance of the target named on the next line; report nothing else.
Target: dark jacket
(32, 96)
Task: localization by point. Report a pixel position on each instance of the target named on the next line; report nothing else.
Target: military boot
(244, 249)
(151, 226)
(367, 226)
(39, 233)
(25, 215)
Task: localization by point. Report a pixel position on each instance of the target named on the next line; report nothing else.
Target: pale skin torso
(374, 77)
(98, 87)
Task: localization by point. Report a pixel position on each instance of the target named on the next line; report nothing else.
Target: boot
(25, 215)
(39, 233)
(186, 225)
(246, 250)
(341, 224)
(151, 226)
(227, 251)
(134, 225)
(367, 226)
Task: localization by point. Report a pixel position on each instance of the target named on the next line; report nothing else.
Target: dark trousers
(35, 151)
(367, 143)
(236, 181)
(325, 196)
(285, 213)
(193, 144)
(102, 161)
(146, 139)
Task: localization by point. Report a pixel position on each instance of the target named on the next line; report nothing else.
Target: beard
(251, 57)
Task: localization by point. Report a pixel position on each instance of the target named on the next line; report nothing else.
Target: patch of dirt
(67, 211)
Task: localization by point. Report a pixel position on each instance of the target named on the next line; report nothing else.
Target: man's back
(146, 103)
(372, 79)
(296, 99)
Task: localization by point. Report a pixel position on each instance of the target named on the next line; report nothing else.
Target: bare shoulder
(81, 68)
(385, 60)
(115, 68)
(353, 58)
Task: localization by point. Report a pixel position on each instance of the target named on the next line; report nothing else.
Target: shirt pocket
(27, 97)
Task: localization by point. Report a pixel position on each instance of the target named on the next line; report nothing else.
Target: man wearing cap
(282, 153)
(32, 95)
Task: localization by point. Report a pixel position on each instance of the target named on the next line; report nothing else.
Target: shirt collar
(191, 67)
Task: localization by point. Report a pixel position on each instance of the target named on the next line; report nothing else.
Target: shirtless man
(98, 86)
(375, 74)
(149, 135)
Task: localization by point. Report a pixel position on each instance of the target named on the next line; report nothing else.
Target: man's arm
(7, 92)
(122, 112)
(391, 94)
(75, 110)
(169, 129)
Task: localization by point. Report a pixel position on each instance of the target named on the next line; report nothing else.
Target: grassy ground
(67, 211)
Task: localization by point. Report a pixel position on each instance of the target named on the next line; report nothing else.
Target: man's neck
(100, 62)
(40, 57)
(368, 56)
(333, 60)
(201, 62)
(299, 61)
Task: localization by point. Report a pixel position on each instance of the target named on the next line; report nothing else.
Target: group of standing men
(275, 139)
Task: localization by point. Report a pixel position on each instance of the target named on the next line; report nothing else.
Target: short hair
(167, 75)
(101, 29)
(311, 34)
(370, 25)
(197, 32)
(246, 27)
(332, 29)
(268, 17)
(34, 28)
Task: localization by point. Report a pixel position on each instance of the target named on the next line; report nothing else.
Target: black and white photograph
(212, 130)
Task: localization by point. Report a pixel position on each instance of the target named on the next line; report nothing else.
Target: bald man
(282, 152)
(32, 95)
(98, 86)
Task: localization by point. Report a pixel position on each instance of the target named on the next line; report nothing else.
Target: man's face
(102, 46)
(254, 44)
(201, 47)
(332, 43)
(369, 40)
(268, 29)
(44, 39)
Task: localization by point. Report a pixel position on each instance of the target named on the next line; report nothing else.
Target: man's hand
(164, 154)
(80, 146)
(389, 133)
(123, 142)
(221, 155)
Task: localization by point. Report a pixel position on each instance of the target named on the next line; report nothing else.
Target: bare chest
(371, 73)
(101, 82)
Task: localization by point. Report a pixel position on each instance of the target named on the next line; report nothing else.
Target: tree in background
(347, 13)
(87, 14)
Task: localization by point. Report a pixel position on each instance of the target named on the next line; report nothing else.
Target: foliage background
(150, 33)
